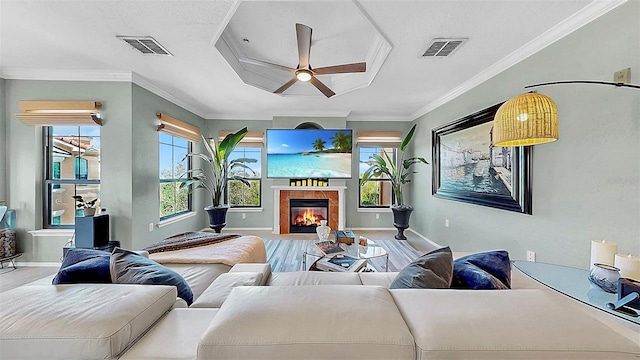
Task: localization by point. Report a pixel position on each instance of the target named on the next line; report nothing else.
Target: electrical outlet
(244, 216)
(377, 216)
(531, 256)
(622, 76)
(150, 227)
(446, 222)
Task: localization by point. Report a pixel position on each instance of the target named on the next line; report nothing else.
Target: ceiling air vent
(146, 45)
(443, 47)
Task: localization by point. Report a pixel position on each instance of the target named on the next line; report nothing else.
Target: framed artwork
(468, 168)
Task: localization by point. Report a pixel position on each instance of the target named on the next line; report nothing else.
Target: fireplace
(305, 214)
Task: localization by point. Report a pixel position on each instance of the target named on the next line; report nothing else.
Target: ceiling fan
(304, 71)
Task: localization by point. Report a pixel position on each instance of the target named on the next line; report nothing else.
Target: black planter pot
(217, 217)
(401, 215)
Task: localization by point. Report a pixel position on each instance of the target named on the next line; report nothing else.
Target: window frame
(48, 173)
(258, 179)
(394, 157)
(175, 180)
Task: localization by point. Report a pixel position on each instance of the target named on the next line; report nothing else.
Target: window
(239, 194)
(72, 167)
(174, 163)
(377, 192)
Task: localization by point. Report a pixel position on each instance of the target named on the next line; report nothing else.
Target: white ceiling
(76, 40)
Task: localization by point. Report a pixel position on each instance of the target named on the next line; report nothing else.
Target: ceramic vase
(323, 230)
(604, 277)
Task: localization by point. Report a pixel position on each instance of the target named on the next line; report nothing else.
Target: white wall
(586, 186)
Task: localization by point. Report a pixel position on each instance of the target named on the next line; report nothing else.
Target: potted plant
(214, 179)
(399, 176)
(85, 208)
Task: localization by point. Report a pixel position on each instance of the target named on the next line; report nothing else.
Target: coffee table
(370, 251)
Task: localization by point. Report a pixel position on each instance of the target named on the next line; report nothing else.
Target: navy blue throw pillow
(432, 270)
(482, 271)
(84, 266)
(128, 267)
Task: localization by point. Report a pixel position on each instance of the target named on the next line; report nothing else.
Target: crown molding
(64, 75)
(592, 11)
(379, 118)
(151, 87)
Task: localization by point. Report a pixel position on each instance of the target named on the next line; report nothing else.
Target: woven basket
(7, 243)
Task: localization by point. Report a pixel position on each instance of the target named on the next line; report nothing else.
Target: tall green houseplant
(214, 179)
(399, 176)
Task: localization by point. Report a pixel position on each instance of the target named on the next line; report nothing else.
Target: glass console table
(572, 282)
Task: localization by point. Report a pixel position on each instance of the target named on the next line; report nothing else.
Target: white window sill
(175, 219)
(52, 232)
(244, 210)
(374, 210)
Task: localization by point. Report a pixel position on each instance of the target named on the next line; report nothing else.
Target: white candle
(629, 266)
(603, 252)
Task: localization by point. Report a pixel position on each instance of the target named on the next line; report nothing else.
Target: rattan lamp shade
(527, 119)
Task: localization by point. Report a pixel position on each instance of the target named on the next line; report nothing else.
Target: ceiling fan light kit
(304, 71)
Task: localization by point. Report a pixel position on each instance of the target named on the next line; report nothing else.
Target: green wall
(586, 185)
(145, 186)
(3, 143)
(129, 162)
(264, 218)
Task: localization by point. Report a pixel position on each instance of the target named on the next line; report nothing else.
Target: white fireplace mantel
(276, 202)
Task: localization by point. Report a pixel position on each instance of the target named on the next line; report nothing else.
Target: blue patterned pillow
(482, 271)
(84, 266)
(128, 267)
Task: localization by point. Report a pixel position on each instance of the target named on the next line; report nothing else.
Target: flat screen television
(309, 153)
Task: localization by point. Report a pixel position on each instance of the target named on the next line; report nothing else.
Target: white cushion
(505, 324)
(314, 278)
(264, 268)
(174, 337)
(307, 322)
(217, 293)
(78, 321)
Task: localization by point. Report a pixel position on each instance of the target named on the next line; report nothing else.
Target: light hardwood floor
(284, 253)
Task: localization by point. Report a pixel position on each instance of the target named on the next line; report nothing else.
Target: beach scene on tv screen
(309, 153)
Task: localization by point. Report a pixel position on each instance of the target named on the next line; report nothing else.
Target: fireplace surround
(282, 195)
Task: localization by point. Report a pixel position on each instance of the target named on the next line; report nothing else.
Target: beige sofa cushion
(383, 279)
(307, 322)
(78, 321)
(313, 278)
(174, 337)
(505, 324)
(199, 276)
(264, 269)
(217, 293)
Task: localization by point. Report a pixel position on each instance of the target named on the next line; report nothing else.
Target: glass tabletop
(572, 282)
(371, 250)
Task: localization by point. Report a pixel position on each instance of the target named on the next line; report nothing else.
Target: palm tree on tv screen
(341, 141)
(318, 145)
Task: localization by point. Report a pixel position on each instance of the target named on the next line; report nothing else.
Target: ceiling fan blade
(264, 63)
(322, 87)
(303, 33)
(284, 87)
(341, 69)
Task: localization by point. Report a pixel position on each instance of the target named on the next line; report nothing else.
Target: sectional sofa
(251, 313)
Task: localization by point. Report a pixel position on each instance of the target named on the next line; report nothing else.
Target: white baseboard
(373, 229)
(245, 229)
(38, 264)
(425, 238)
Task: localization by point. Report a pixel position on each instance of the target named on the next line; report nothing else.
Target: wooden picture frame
(468, 168)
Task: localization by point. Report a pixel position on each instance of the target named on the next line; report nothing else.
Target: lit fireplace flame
(307, 218)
